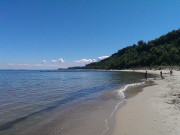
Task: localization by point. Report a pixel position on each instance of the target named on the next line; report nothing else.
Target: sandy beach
(154, 111)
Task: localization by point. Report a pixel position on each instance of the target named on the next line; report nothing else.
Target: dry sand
(154, 111)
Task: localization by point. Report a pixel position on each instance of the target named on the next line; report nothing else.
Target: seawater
(61, 103)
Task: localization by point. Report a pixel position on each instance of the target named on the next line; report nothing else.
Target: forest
(163, 51)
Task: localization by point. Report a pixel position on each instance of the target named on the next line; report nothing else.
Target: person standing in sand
(171, 72)
(145, 75)
(161, 75)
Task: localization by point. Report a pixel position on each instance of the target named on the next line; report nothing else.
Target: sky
(51, 34)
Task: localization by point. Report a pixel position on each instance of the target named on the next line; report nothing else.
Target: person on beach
(171, 72)
(161, 75)
(145, 75)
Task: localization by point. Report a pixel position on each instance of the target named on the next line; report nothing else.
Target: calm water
(59, 103)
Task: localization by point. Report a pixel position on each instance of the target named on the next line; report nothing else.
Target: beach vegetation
(163, 51)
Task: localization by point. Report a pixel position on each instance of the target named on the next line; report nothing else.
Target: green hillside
(163, 51)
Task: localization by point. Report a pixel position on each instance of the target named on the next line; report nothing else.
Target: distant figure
(161, 75)
(145, 75)
(171, 72)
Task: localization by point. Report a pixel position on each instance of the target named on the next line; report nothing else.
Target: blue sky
(47, 34)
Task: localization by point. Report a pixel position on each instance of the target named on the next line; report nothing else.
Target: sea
(64, 102)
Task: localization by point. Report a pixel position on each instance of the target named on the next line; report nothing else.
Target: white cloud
(43, 61)
(102, 57)
(94, 60)
(60, 60)
(86, 61)
(11, 64)
(31, 65)
(54, 61)
(23, 64)
(42, 65)
(91, 60)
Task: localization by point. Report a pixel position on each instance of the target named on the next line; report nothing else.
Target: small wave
(122, 96)
(121, 90)
(110, 117)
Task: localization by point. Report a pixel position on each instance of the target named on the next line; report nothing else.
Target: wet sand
(154, 111)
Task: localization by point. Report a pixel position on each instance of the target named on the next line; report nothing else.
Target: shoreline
(154, 111)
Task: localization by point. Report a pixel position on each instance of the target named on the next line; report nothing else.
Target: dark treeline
(163, 51)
